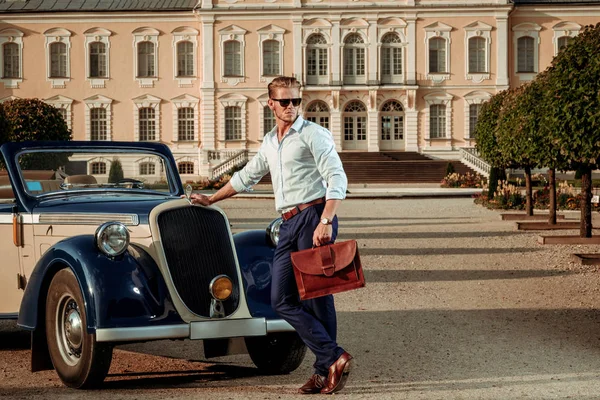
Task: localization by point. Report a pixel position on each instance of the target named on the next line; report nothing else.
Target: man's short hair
(283, 82)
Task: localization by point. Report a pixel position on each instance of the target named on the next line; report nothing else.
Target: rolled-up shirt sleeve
(251, 174)
(329, 164)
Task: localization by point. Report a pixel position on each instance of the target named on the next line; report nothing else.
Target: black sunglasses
(286, 102)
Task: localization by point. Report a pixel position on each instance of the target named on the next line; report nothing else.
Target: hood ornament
(188, 193)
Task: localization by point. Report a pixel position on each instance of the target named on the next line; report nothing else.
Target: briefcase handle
(327, 260)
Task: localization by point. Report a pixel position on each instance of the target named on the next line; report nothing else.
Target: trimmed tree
(572, 111)
(115, 174)
(487, 143)
(32, 119)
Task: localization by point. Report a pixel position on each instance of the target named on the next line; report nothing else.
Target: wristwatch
(326, 221)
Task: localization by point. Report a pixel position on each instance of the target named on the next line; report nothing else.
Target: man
(309, 184)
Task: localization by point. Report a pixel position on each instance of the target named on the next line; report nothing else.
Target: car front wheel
(276, 353)
(79, 360)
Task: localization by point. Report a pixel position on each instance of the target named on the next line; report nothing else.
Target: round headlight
(112, 238)
(273, 231)
(221, 287)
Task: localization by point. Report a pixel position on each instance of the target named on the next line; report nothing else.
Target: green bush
(116, 171)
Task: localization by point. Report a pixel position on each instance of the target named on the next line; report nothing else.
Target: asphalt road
(458, 305)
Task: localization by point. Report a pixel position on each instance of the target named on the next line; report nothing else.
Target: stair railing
(470, 157)
(237, 159)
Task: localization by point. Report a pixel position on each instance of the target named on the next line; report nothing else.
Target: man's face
(289, 112)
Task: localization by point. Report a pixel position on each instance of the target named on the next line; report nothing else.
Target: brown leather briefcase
(328, 269)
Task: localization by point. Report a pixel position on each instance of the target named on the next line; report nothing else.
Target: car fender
(127, 290)
(255, 256)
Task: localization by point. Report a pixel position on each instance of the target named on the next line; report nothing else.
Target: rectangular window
(98, 168)
(525, 54)
(11, 61)
(477, 55)
(233, 123)
(98, 60)
(185, 124)
(185, 59)
(147, 124)
(268, 120)
(146, 59)
(271, 57)
(58, 60)
(473, 116)
(437, 55)
(233, 59)
(437, 121)
(98, 124)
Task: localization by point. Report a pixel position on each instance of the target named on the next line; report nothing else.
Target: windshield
(73, 169)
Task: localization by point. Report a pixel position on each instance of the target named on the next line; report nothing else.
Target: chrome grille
(197, 248)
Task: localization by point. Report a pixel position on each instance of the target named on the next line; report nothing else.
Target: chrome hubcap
(69, 330)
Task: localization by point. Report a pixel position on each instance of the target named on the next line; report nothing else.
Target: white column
(336, 76)
(372, 123)
(336, 119)
(502, 51)
(207, 95)
(411, 134)
(297, 38)
(411, 51)
(372, 49)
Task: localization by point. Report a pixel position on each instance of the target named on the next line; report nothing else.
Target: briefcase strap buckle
(329, 270)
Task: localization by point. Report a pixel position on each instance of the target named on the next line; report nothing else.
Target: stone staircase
(393, 167)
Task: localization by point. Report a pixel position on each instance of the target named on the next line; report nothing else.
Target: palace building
(383, 75)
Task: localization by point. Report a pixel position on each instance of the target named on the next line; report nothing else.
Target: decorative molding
(63, 103)
(564, 29)
(270, 32)
(527, 29)
(476, 97)
(140, 35)
(98, 101)
(144, 101)
(438, 98)
(99, 35)
(236, 33)
(58, 35)
(438, 30)
(11, 36)
(185, 34)
(185, 101)
(233, 100)
(481, 30)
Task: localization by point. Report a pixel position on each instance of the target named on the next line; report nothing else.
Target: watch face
(325, 221)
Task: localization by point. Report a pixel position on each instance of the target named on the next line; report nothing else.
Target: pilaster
(502, 50)
(411, 50)
(336, 119)
(336, 77)
(297, 43)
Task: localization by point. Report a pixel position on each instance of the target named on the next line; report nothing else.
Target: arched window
(317, 63)
(146, 57)
(11, 61)
(98, 60)
(185, 59)
(318, 112)
(185, 168)
(271, 57)
(354, 58)
(185, 124)
(391, 58)
(392, 121)
(98, 168)
(98, 124)
(147, 124)
(147, 168)
(233, 58)
(525, 54)
(355, 126)
(437, 55)
(233, 123)
(477, 64)
(58, 60)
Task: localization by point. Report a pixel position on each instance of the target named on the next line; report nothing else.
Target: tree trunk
(528, 192)
(552, 189)
(585, 229)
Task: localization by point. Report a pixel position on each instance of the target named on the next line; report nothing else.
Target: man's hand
(199, 198)
(322, 235)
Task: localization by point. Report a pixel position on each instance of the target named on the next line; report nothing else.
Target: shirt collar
(296, 126)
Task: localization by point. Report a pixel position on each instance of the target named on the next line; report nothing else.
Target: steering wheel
(136, 184)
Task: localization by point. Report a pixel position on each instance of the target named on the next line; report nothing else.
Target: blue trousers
(314, 319)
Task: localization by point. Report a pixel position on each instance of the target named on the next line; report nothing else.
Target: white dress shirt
(304, 166)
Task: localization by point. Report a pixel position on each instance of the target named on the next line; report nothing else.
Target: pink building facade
(382, 76)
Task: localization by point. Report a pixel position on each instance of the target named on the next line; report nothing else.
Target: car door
(11, 282)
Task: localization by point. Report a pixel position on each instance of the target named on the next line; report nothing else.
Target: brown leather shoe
(338, 374)
(314, 385)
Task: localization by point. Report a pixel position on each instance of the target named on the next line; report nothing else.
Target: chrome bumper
(210, 329)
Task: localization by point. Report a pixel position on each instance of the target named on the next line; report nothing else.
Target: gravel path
(458, 305)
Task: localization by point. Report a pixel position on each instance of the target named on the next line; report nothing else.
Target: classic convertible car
(100, 249)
